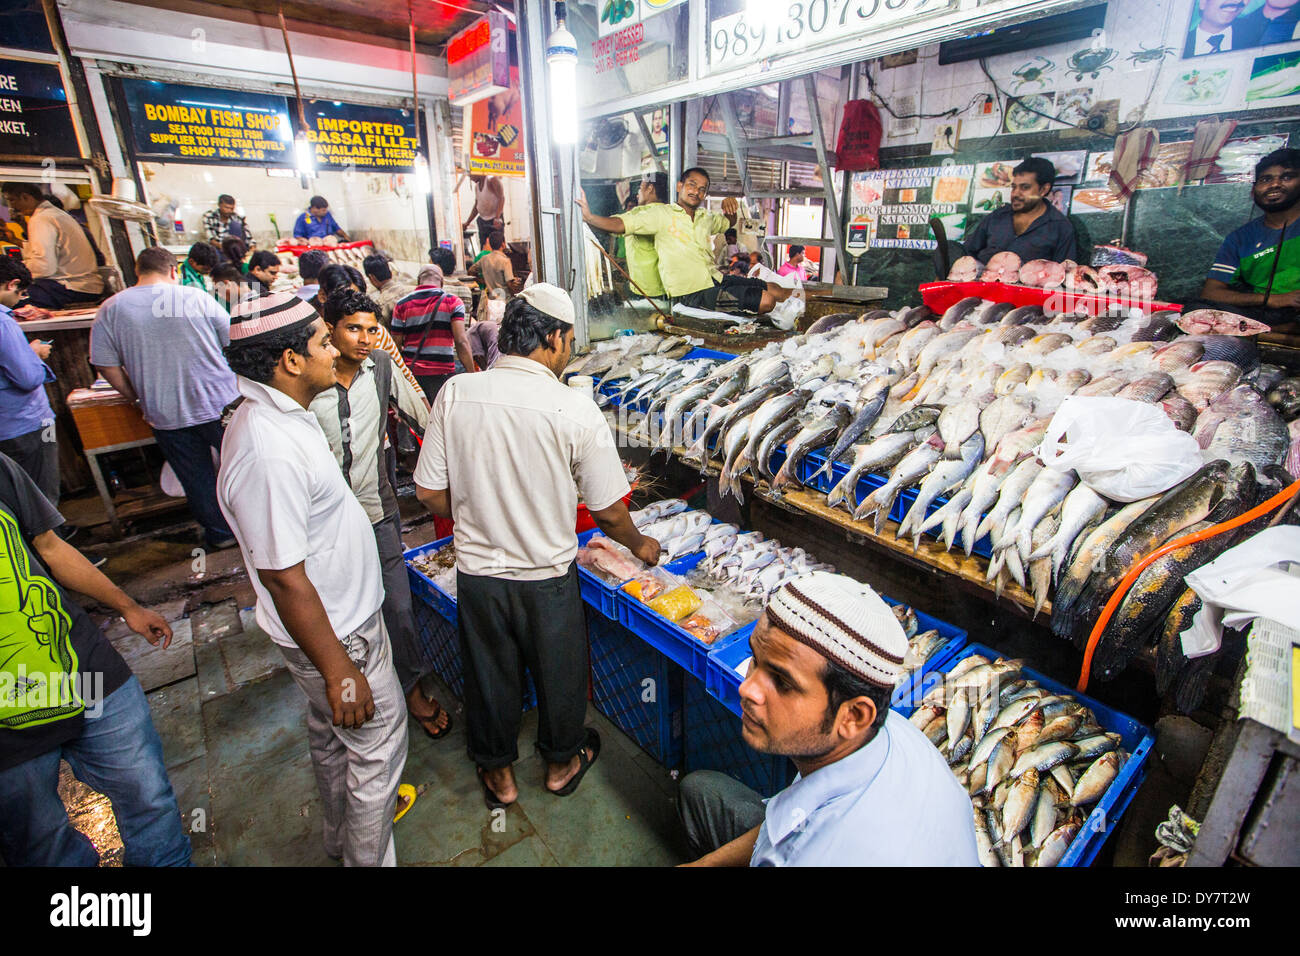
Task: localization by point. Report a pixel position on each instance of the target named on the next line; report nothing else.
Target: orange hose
(1108, 611)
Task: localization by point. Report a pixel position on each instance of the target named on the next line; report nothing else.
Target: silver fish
(984, 841)
(1044, 819)
(943, 477)
(1043, 757)
(1054, 847)
(957, 423)
(813, 435)
(1010, 494)
(1096, 779)
(1019, 808)
(1003, 416)
(1080, 508)
(1048, 490)
(915, 464)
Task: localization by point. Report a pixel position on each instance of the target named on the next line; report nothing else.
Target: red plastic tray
(297, 250)
(940, 296)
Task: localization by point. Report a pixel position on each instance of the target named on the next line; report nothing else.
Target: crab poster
(496, 146)
(900, 203)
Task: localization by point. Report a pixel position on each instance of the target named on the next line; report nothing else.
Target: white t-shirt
(510, 443)
(285, 498)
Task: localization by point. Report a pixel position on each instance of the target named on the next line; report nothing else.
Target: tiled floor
(232, 724)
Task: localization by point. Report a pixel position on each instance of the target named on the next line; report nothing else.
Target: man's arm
(19, 362)
(116, 376)
(1216, 290)
(436, 501)
(617, 524)
(299, 606)
(608, 223)
(731, 210)
(71, 569)
(461, 340)
(736, 853)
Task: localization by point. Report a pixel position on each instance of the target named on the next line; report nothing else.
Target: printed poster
(897, 204)
(1237, 159)
(496, 143)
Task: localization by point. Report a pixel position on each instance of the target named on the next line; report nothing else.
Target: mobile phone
(47, 341)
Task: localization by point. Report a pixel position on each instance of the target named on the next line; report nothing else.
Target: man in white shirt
(501, 456)
(354, 416)
(872, 790)
(56, 252)
(311, 556)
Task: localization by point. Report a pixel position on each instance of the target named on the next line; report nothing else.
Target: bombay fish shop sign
(365, 138)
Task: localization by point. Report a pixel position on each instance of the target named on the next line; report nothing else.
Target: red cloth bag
(858, 147)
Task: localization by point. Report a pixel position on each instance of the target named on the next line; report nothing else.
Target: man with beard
(683, 239)
(1030, 226)
(871, 789)
(1257, 270)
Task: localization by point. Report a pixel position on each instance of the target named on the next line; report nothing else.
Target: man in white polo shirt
(501, 456)
(313, 561)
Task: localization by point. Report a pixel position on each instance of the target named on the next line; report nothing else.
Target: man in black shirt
(65, 693)
(1030, 226)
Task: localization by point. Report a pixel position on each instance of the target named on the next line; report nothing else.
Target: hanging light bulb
(562, 58)
(423, 184)
(305, 153)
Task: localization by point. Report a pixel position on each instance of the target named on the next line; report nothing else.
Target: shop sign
(34, 116)
(478, 60)
(741, 32)
(618, 15)
(896, 205)
(197, 124)
(496, 142)
(365, 138)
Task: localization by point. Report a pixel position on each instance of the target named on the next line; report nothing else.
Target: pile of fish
(1123, 281)
(956, 406)
(614, 358)
(439, 567)
(1030, 759)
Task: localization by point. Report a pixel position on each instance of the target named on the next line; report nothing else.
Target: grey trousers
(358, 770)
(716, 809)
(37, 457)
(399, 619)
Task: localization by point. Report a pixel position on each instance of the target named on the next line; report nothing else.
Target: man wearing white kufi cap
(871, 789)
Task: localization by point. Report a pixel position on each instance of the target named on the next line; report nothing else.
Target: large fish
(1149, 388)
(1096, 544)
(1218, 322)
(1170, 659)
(1047, 491)
(884, 452)
(945, 476)
(944, 346)
(671, 430)
(984, 492)
(833, 321)
(732, 444)
(1009, 495)
(813, 436)
(1242, 426)
(1003, 416)
(767, 416)
(915, 464)
(960, 310)
(956, 423)
(1040, 569)
(1080, 508)
(1017, 444)
(762, 463)
(913, 341)
(861, 423)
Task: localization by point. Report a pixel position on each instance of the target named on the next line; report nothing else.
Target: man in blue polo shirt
(871, 789)
(26, 419)
(318, 222)
(1030, 226)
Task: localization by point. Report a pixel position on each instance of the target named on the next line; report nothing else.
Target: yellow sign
(205, 132)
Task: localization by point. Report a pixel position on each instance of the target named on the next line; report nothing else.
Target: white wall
(1130, 26)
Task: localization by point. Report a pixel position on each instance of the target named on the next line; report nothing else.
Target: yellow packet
(677, 603)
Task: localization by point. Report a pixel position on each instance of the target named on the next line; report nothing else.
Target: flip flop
(592, 743)
(430, 719)
(408, 793)
(491, 799)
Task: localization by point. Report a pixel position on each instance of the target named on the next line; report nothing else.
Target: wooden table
(106, 422)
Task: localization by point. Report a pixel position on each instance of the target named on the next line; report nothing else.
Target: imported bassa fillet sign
(367, 138)
(198, 124)
(34, 117)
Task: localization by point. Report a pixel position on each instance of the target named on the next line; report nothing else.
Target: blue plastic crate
(423, 587)
(956, 640)
(675, 643)
(699, 353)
(1136, 738)
(983, 547)
(713, 742)
(624, 672)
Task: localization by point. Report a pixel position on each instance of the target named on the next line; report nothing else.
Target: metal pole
(675, 148)
(531, 36)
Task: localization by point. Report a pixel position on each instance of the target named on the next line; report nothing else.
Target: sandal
(592, 743)
(424, 721)
(408, 793)
(491, 799)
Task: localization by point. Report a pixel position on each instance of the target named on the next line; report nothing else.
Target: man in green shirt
(198, 265)
(683, 234)
(642, 260)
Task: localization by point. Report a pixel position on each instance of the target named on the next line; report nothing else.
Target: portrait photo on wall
(1224, 26)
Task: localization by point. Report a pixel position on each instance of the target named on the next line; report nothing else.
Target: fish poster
(1094, 199)
(1236, 161)
(1199, 87)
(1073, 106)
(1274, 77)
(1060, 198)
(1027, 114)
(1069, 165)
(992, 185)
(899, 203)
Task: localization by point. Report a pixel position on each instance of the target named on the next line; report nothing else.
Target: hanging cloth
(1207, 141)
(858, 146)
(1135, 151)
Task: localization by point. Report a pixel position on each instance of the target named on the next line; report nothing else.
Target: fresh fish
(1048, 490)
(1000, 760)
(881, 453)
(945, 476)
(948, 515)
(1205, 382)
(1180, 411)
(1096, 745)
(1150, 388)
(1044, 819)
(1040, 570)
(1009, 497)
(913, 341)
(862, 421)
(984, 492)
(960, 310)
(672, 424)
(1096, 345)
(1170, 659)
(767, 416)
(1018, 444)
(1085, 560)
(1044, 756)
(1003, 416)
(1047, 342)
(833, 321)
(767, 447)
(913, 465)
(1244, 427)
(1023, 315)
(1081, 507)
(1054, 847)
(1019, 807)
(1218, 322)
(984, 749)
(957, 423)
(733, 443)
(814, 435)
(984, 840)
(944, 346)
(915, 418)
(1096, 779)
(1106, 385)
(906, 619)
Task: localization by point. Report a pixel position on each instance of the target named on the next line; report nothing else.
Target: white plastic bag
(1122, 449)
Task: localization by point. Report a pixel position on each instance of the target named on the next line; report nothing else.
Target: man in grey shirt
(159, 344)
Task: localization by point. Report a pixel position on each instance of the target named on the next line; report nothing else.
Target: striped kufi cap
(845, 621)
(273, 312)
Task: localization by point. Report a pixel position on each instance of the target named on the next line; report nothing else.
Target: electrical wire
(871, 88)
(1285, 496)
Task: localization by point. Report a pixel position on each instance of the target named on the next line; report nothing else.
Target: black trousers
(53, 294)
(716, 809)
(189, 451)
(432, 384)
(505, 626)
(38, 457)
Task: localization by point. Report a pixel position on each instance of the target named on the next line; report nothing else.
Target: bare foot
(558, 774)
(428, 712)
(502, 783)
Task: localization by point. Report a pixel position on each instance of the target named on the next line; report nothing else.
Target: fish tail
(1048, 547)
(868, 505)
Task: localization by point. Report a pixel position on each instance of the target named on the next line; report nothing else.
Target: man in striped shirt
(429, 327)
